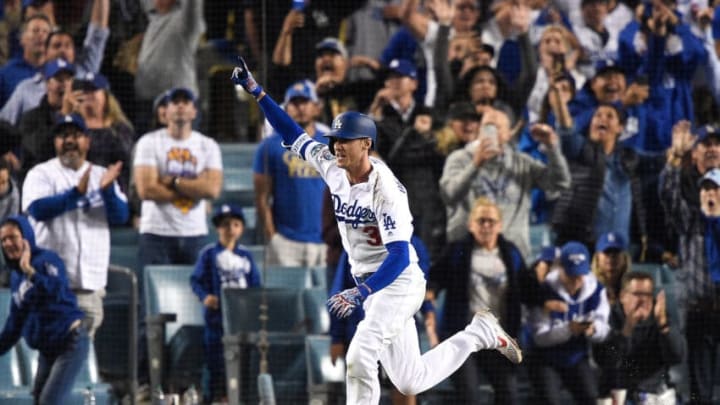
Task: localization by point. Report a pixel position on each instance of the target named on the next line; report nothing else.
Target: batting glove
(345, 302)
(241, 76)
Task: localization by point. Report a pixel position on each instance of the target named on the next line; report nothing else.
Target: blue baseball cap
(712, 176)
(706, 131)
(331, 44)
(183, 92)
(575, 259)
(69, 119)
(161, 99)
(548, 254)
(56, 66)
(403, 67)
(302, 89)
(610, 240)
(227, 210)
(90, 82)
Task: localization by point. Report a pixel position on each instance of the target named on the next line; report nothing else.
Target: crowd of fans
(597, 119)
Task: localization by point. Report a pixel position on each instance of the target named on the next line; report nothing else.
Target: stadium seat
(319, 276)
(286, 327)
(287, 277)
(115, 340)
(124, 256)
(539, 237)
(174, 327)
(123, 236)
(238, 155)
(13, 390)
(325, 381)
(258, 254)
(317, 314)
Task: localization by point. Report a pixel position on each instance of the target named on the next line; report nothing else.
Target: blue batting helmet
(352, 125)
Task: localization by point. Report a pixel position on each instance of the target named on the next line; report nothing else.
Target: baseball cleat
(506, 345)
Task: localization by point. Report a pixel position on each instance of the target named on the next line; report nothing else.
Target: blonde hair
(613, 289)
(114, 113)
(486, 203)
(570, 40)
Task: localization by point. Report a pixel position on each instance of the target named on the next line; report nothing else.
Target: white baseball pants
(388, 334)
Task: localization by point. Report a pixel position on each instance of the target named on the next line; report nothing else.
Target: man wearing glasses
(641, 346)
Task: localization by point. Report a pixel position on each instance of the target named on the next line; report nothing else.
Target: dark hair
(57, 33)
(4, 165)
(635, 275)
(618, 110)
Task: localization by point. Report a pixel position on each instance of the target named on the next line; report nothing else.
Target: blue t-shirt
(297, 190)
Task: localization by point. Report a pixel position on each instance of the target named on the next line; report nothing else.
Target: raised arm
(278, 118)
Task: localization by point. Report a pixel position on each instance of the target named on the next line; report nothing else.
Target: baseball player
(375, 224)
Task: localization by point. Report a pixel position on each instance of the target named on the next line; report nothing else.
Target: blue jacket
(452, 273)
(43, 308)
(680, 54)
(234, 268)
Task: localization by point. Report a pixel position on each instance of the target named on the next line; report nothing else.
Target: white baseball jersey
(80, 236)
(370, 214)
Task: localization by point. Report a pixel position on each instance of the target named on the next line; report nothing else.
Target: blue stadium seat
(123, 236)
(124, 256)
(237, 155)
(115, 340)
(286, 326)
(317, 314)
(325, 381)
(174, 327)
(287, 277)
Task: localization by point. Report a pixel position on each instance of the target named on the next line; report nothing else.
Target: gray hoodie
(508, 180)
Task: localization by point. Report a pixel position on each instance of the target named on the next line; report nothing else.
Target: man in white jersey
(375, 224)
(72, 204)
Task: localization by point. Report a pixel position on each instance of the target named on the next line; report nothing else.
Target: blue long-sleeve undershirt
(280, 120)
(47, 208)
(117, 210)
(397, 260)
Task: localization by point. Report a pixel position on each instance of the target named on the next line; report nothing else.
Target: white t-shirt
(370, 214)
(185, 158)
(488, 281)
(80, 236)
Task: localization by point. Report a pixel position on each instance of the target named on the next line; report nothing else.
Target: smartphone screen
(298, 5)
(490, 131)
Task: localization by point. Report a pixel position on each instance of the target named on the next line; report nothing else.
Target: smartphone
(490, 131)
(298, 5)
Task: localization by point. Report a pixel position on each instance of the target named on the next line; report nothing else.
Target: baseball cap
(463, 110)
(56, 66)
(160, 99)
(227, 210)
(402, 67)
(575, 259)
(711, 176)
(332, 44)
(302, 89)
(610, 240)
(34, 3)
(91, 82)
(183, 92)
(548, 254)
(69, 119)
(706, 131)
